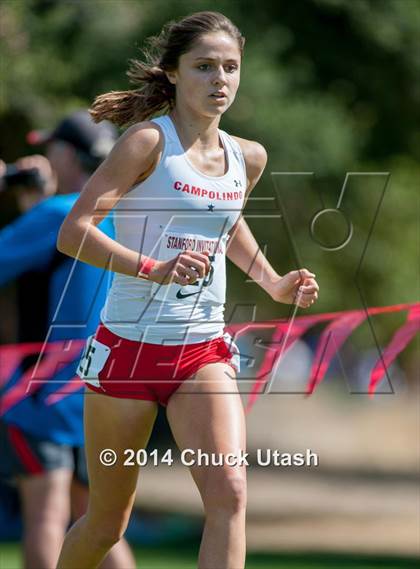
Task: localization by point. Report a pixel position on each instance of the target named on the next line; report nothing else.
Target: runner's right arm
(134, 155)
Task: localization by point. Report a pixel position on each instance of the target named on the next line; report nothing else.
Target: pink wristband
(146, 265)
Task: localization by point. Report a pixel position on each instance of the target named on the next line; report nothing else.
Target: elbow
(65, 240)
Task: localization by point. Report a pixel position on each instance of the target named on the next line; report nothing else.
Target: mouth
(219, 96)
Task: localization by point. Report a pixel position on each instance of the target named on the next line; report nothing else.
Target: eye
(204, 67)
(231, 68)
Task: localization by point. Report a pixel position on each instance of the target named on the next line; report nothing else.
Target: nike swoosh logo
(179, 294)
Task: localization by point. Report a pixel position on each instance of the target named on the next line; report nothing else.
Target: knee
(225, 494)
(106, 532)
(106, 537)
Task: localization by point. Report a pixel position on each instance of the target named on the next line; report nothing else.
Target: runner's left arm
(295, 287)
(242, 248)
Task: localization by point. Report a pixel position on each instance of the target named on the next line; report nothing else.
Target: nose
(219, 78)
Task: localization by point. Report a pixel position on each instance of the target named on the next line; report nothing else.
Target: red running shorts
(123, 368)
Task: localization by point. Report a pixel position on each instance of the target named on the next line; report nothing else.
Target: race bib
(92, 362)
(211, 288)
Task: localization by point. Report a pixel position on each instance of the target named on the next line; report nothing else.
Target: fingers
(307, 293)
(309, 287)
(184, 269)
(312, 289)
(304, 301)
(190, 274)
(180, 279)
(192, 266)
(201, 258)
(305, 274)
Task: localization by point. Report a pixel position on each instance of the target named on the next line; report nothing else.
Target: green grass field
(184, 557)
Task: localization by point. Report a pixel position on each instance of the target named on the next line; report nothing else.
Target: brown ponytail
(155, 93)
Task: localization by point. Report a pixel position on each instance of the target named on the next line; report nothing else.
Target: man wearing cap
(41, 430)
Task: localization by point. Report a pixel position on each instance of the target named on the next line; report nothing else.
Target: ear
(171, 75)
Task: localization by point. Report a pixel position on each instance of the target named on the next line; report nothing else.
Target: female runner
(177, 185)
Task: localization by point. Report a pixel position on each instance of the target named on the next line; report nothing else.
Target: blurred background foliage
(328, 87)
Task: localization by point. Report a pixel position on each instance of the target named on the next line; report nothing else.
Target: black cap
(78, 129)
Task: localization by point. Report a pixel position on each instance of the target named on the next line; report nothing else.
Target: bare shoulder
(133, 156)
(140, 137)
(255, 156)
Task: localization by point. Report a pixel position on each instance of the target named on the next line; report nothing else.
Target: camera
(17, 177)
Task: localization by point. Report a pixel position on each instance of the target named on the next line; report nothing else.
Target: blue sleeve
(29, 243)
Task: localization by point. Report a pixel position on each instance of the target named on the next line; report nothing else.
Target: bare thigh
(206, 413)
(116, 424)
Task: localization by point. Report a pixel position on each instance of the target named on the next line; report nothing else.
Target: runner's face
(211, 66)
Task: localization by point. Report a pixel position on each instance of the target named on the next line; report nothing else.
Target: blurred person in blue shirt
(59, 298)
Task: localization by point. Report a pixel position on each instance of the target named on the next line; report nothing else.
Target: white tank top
(176, 208)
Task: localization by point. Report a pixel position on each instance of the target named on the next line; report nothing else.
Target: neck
(195, 130)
